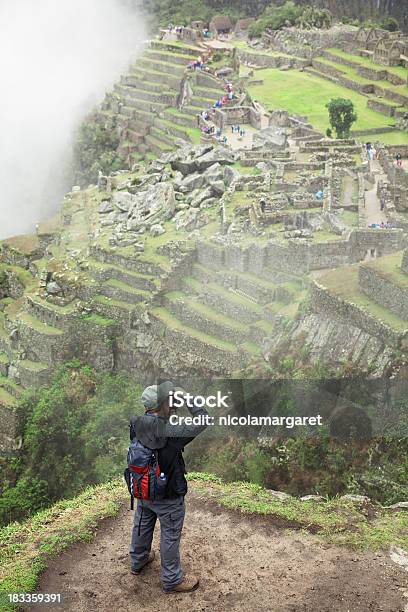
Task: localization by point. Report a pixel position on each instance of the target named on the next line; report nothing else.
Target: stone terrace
(148, 107)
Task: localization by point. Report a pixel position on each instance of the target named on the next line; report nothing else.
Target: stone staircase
(144, 103)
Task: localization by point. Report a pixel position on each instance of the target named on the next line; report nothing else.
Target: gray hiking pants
(170, 513)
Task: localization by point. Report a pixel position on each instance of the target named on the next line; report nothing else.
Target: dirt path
(372, 203)
(243, 564)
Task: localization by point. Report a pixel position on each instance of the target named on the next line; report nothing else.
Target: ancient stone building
(221, 24)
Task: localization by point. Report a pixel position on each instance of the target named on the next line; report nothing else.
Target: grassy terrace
(117, 284)
(344, 283)
(173, 323)
(33, 366)
(391, 138)
(389, 267)
(353, 75)
(6, 398)
(367, 63)
(39, 326)
(281, 90)
(206, 311)
(107, 301)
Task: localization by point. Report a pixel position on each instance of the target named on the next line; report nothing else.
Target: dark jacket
(169, 440)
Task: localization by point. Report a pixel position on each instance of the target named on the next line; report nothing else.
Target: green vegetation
(341, 116)
(26, 548)
(94, 151)
(281, 90)
(392, 138)
(277, 16)
(75, 433)
(303, 466)
(338, 521)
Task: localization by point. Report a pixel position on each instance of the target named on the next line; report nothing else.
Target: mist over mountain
(57, 60)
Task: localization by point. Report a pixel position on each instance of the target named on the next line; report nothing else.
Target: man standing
(155, 432)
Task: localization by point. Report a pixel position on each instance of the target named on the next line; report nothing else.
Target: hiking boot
(136, 570)
(188, 584)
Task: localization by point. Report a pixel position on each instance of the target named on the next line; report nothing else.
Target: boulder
(105, 207)
(399, 506)
(230, 174)
(194, 181)
(123, 200)
(358, 499)
(214, 173)
(280, 495)
(157, 230)
(218, 188)
(191, 219)
(201, 196)
(317, 498)
(53, 288)
(186, 166)
(219, 154)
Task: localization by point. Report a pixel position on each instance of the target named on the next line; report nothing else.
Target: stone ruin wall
(383, 291)
(300, 257)
(324, 301)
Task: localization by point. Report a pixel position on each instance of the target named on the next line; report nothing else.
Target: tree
(389, 23)
(341, 116)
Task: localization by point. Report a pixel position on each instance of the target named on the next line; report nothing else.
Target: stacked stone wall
(323, 300)
(383, 291)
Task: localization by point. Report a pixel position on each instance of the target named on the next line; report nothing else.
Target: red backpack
(142, 475)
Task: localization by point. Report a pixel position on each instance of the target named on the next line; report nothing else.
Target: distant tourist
(398, 159)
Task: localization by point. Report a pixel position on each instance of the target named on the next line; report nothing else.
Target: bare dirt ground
(243, 562)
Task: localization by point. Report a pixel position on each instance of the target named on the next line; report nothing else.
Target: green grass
(38, 325)
(281, 90)
(193, 134)
(392, 138)
(207, 312)
(352, 73)
(26, 548)
(121, 286)
(107, 301)
(33, 366)
(6, 398)
(98, 320)
(252, 348)
(230, 296)
(337, 521)
(350, 218)
(389, 267)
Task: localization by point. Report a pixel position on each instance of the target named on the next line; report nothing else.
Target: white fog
(57, 58)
